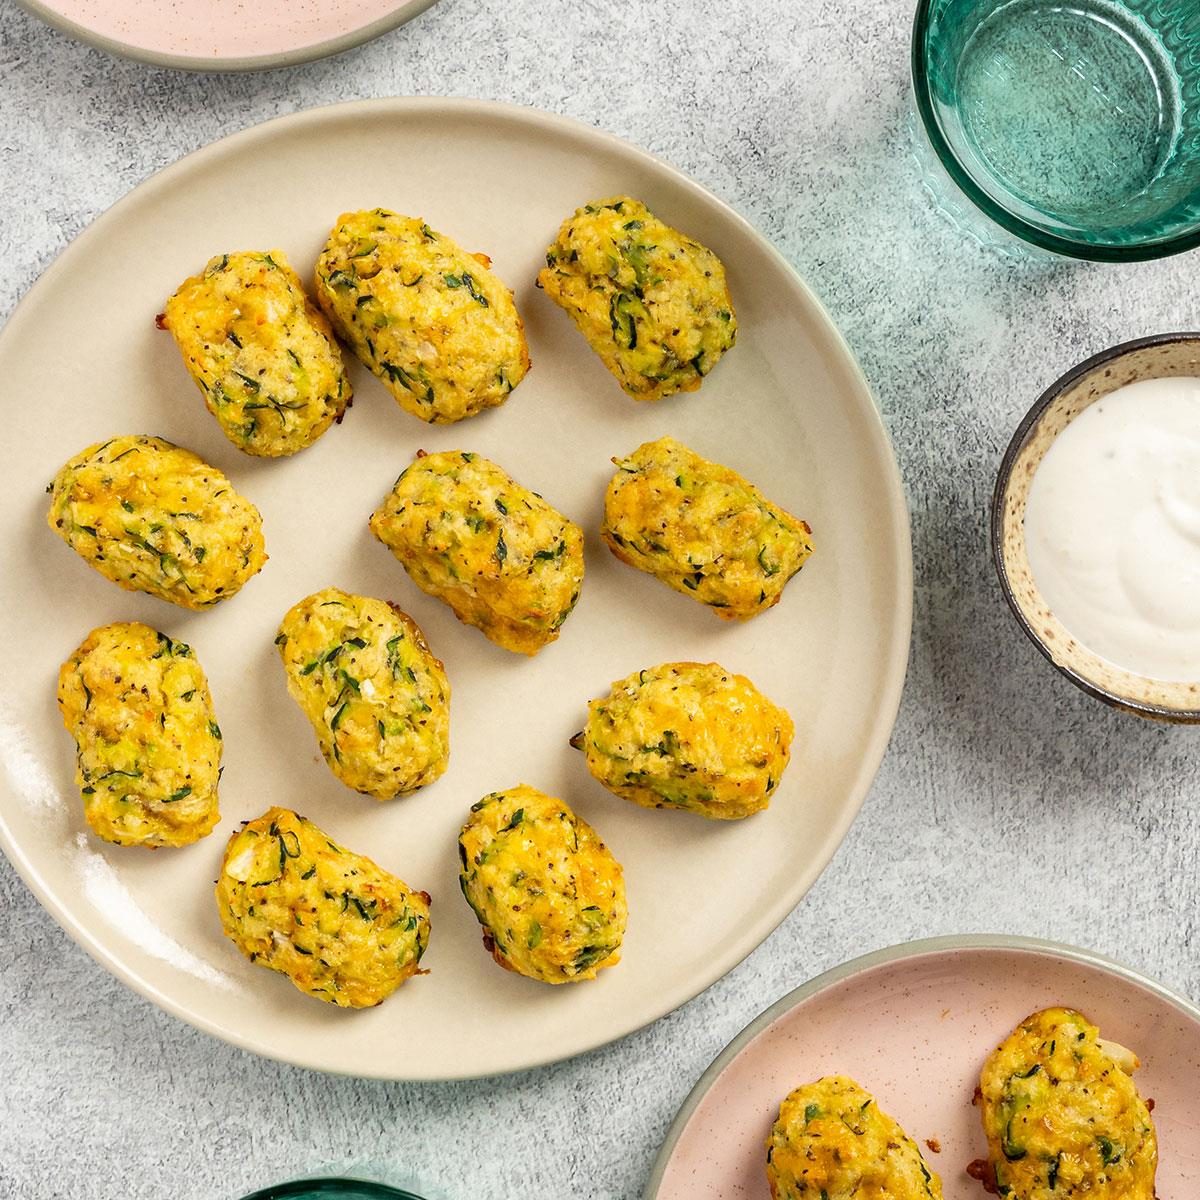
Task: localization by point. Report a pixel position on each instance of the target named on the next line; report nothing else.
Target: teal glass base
(1073, 124)
(332, 1189)
(950, 202)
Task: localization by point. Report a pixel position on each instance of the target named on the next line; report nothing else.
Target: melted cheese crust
(148, 745)
(155, 518)
(260, 351)
(547, 891)
(502, 558)
(689, 735)
(432, 322)
(1063, 1118)
(832, 1142)
(702, 529)
(342, 929)
(652, 303)
(377, 698)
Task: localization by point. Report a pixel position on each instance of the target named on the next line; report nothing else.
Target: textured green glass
(332, 1189)
(1075, 124)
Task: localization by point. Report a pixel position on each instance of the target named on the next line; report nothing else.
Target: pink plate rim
(404, 11)
(920, 948)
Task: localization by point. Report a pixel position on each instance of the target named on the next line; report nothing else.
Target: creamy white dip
(1112, 528)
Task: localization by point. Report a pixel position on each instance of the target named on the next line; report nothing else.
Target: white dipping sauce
(1112, 528)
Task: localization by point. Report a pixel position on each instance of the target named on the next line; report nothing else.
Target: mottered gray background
(1008, 801)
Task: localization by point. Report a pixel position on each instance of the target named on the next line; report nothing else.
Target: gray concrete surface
(1008, 801)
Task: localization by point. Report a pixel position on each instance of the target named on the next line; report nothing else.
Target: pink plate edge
(404, 12)
(857, 966)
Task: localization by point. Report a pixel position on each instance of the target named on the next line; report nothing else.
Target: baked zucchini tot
(1062, 1115)
(261, 353)
(431, 321)
(688, 735)
(342, 929)
(376, 697)
(155, 518)
(702, 529)
(651, 302)
(502, 558)
(832, 1142)
(547, 891)
(148, 744)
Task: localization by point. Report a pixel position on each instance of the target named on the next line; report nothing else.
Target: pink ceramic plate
(225, 35)
(913, 1025)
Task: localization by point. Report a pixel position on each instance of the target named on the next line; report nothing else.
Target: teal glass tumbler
(1072, 124)
(332, 1189)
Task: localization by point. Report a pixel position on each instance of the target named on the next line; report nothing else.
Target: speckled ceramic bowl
(913, 1024)
(1164, 355)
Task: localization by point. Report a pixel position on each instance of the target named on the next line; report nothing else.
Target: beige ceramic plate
(81, 360)
(225, 35)
(913, 1025)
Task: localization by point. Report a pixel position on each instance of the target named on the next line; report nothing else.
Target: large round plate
(913, 1025)
(225, 35)
(82, 360)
